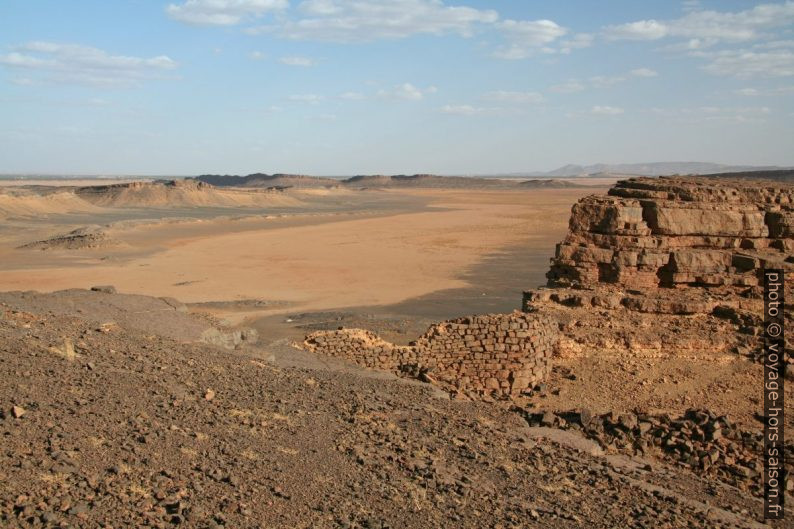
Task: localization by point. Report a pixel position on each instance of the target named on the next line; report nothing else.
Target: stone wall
(499, 355)
(677, 232)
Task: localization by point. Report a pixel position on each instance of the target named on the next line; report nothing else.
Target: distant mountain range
(429, 180)
(651, 169)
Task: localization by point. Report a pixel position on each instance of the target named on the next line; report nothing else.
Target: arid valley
(258, 323)
(396, 264)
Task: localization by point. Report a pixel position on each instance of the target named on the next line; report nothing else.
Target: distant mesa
(284, 181)
(178, 193)
(548, 183)
(269, 181)
(36, 201)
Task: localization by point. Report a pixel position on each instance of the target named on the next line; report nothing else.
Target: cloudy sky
(335, 87)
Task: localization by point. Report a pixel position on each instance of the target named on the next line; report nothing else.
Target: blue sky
(337, 87)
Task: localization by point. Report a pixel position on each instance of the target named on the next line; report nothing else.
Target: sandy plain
(325, 250)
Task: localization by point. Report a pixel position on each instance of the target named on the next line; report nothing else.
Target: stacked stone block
(500, 355)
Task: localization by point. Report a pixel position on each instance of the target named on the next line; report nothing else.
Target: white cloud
(736, 110)
(407, 92)
(257, 55)
(22, 81)
(578, 41)
(603, 110)
(775, 44)
(643, 72)
(568, 87)
(296, 61)
(709, 27)
(736, 114)
(222, 12)
(690, 5)
(75, 63)
(745, 64)
(707, 114)
(367, 20)
(699, 30)
(640, 30)
(527, 37)
(462, 110)
(755, 92)
(602, 81)
(513, 97)
(352, 96)
(311, 99)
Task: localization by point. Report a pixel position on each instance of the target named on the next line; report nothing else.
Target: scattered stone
(106, 289)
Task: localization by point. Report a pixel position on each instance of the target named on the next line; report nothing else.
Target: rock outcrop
(705, 442)
(656, 249)
(674, 232)
(499, 355)
(79, 239)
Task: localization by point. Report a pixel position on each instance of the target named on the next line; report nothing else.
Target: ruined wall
(494, 354)
(677, 232)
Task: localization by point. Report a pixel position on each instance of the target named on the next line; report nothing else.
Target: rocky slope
(133, 429)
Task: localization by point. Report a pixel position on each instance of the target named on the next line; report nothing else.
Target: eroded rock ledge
(651, 233)
(667, 265)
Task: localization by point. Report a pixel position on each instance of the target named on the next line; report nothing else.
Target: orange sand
(331, 263)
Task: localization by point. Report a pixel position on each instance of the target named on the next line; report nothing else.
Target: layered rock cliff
(656, 249)
(673, 232)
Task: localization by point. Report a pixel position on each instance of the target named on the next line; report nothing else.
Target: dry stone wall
(498, 355)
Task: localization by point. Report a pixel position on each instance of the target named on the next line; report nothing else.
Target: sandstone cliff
(670, 247)
(672, 232)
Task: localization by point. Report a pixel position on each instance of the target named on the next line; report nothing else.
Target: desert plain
(189, 354)
(298, 250)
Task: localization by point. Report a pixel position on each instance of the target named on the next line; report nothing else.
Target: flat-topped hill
(32, 201)
(380, 181)
(266, 180)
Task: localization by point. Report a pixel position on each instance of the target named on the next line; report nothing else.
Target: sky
(342, 87)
